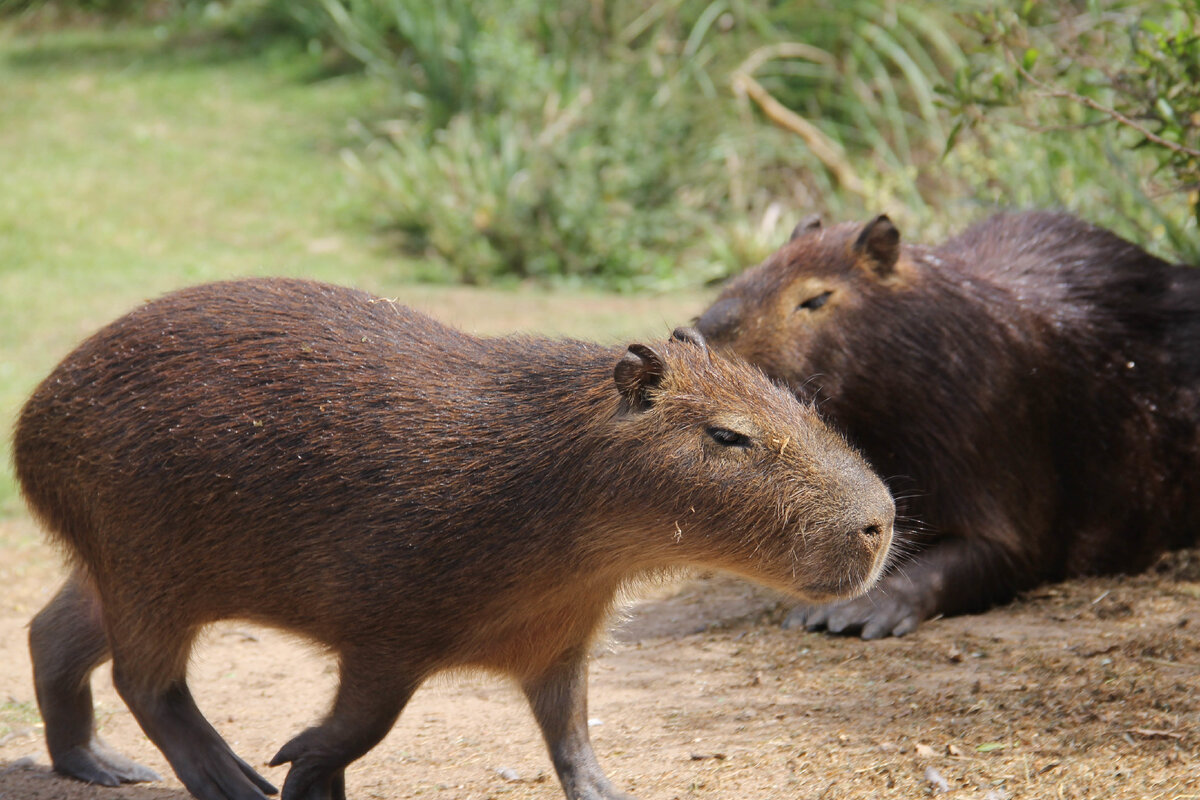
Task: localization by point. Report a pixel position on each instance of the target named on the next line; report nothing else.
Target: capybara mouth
(862, 559)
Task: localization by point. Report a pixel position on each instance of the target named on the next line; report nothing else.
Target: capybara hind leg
(198, 754)
(559, 701)
(369, 699)
(67, 642)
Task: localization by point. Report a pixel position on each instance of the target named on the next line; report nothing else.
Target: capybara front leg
(956, 576)
(67, 642)
(369, 699)
(200, 757)
(559, 701)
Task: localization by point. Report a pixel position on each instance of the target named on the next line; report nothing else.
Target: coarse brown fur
(411, 497)
(1028, 388)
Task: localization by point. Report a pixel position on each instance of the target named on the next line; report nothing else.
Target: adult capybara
(1029, 389)
(409, 496)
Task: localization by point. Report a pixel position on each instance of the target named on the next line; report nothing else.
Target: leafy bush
(641, 145)
(1104, 100)
(651, 143)
(107, 8)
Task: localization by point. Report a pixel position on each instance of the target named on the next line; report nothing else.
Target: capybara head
(737, 452)
(843, 316)
(797, 314)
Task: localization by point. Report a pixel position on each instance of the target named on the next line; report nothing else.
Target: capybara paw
(311, 777)
(606, 792)
(95, 763)
(308, 780)
(218, 774)
(603, 794)
(872, 616)
(591, 787)
(613, 794)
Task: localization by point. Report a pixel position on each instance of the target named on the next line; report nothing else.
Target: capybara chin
(411, 497)
(1028, 388)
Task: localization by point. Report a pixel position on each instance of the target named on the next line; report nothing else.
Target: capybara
(1028, 389)
(411, 497)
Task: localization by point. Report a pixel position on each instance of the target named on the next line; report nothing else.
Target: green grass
(16, 716)
(131, 164)
(128, 167)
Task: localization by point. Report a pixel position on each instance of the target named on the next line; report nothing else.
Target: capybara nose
(721, 319)
(874, 529)
(871, 531)
(877, 533)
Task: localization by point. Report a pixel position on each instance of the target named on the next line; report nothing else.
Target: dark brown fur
(1028, 388)
(407, 495)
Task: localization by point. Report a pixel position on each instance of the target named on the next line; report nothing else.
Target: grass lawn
(131, 164)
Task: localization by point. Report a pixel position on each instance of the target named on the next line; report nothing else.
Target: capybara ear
(879, 245)
(638, 371)
(690, 335)
(810, 223)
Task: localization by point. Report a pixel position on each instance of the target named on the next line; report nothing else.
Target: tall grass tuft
(646, 144)
(641, 145)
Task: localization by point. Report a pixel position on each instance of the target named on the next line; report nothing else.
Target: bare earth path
(1083, 690)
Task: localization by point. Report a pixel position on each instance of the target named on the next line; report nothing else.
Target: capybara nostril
(875, 535)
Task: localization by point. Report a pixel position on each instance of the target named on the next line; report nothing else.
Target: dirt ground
(1080, 690)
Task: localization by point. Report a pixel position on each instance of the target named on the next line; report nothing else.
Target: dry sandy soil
(1079, 690)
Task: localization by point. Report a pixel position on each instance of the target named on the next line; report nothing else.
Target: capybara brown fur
(1028, 388)
(409, 496)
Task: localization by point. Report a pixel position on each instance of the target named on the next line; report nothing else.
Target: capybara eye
(728, 438)
(813, 303)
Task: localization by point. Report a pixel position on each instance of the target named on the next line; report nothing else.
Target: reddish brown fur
(411, 497)
(1029, 387)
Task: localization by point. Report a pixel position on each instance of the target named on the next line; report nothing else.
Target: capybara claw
(217, 773)
(287, 754)
(811, 618)
(876, 615)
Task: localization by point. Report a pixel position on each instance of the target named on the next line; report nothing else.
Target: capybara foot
(597, 790)
(310, 778)
(217, 773)
(96, 763)
(891, 609)
(311, 781)
(606, 792)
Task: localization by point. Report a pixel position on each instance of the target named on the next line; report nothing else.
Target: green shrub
(103, 8)
(1092, 107)
(651, 143)
(625, 143)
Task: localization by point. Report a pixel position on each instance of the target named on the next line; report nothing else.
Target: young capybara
(1028, 388)
(411, 497)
